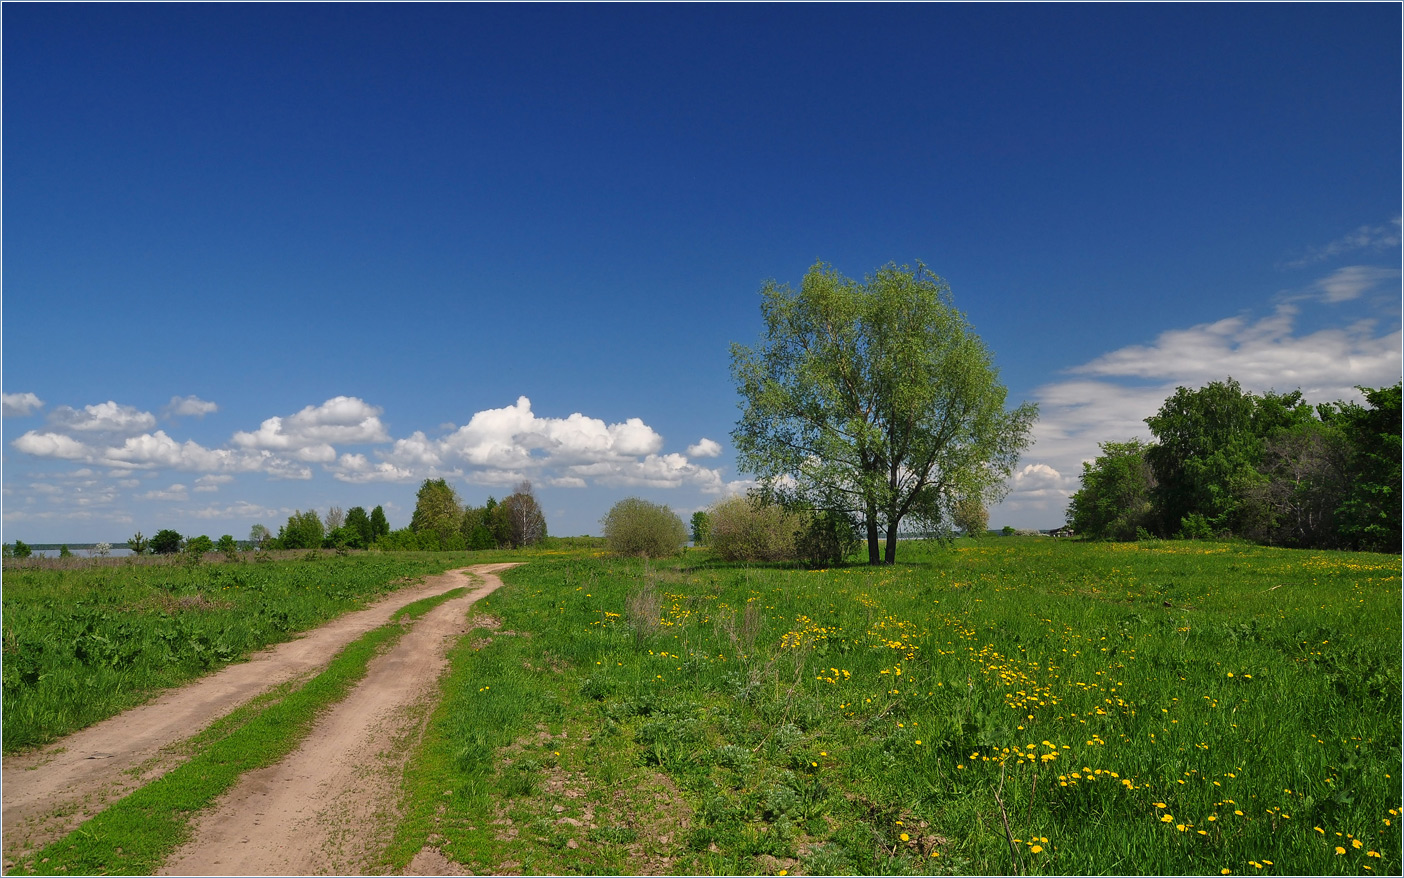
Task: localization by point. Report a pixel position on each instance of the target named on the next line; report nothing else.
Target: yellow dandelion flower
(1036, 848)
(1339, 850)
(906, 837)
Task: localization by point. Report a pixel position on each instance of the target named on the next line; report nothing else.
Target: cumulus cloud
(189, 406)
(21, 404)
(705, 448)
(342, 420)
(514, 437)
(106, 417)
(52, 445)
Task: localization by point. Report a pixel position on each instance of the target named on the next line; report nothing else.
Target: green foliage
(874, 398)
(754, 529)
(826, 537)
(200, 545)
(436, 511)
(303, 531)
(1209, 443)
(971, 516)
(228, 547)
(360, 531)
(1114, 502)
(701, 527)
(379, 525)
(1370, 512)
(640, 528)
(166, 542)
(64, 552)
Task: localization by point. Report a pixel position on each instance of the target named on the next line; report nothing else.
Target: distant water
(81, 552)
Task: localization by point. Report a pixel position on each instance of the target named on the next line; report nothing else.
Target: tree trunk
(874, 559)
(891, 555)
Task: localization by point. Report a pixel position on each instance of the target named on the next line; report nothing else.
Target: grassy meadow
(1010, 705)
(1005, 705)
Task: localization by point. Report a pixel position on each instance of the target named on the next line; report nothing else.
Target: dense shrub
(826, 538)
(638, 527)
(750, 529)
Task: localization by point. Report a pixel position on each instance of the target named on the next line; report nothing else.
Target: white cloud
(20, 404)
(1382, 237)
(1350, 282)
(174, 492)
(52, 445)
(342, 420)
(1261, 354)
(241, 510)
(190, 406)
(705, 448)
(209, 483)
(356, 469)
(511, 437)
(106, 417)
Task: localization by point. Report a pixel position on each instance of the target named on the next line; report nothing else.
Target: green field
(1125, 708)
(1006, 705)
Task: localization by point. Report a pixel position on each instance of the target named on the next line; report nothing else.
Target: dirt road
(307, 814)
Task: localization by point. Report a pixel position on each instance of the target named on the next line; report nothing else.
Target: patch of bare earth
(50, 791)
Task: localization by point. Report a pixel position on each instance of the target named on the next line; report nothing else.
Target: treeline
(440, 523)
(1268, 468)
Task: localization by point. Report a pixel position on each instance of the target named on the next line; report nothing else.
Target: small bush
(750, 529)
(638, 527)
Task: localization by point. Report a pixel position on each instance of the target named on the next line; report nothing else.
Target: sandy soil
(316, 812)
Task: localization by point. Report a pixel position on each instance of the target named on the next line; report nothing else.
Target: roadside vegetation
(1021, 705)
(83, 643)
(138, 833)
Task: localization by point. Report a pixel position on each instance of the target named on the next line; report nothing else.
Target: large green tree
(1369, 515)
(1114, 502)
(303, 531)
(1209, 445)
(874, 398)
(437, 510)
(380, 525)
(360, 527)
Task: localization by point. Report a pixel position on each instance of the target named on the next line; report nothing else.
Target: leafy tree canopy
(876, 399)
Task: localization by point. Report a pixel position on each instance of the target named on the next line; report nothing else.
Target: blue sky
(269, 257)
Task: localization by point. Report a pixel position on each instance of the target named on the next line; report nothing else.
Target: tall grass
(1016, 705)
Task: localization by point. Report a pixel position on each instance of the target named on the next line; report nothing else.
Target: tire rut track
(48, 792)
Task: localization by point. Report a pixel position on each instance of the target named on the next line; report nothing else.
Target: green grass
(136, 834)
(761, 719)
(84, 643)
